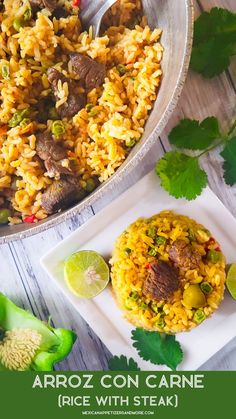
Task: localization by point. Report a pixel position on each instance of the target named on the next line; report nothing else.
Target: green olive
(193, 297)
(4, 214)
(18, 24)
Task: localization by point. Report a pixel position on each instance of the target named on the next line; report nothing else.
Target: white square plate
(144, 199)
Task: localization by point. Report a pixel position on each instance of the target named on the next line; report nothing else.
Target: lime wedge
(86, 273)
(231, 280)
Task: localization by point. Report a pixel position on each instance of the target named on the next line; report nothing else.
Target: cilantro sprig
(122, 363)
(194, 135)
(158, 348)
(180, 173)
(214, 42)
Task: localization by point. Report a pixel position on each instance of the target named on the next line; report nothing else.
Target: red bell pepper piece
(75, 3)
(30, 219)
(211, 241)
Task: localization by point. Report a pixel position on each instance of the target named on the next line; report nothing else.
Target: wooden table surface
(22, 278)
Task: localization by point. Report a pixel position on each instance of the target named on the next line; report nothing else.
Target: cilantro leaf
(192, 135)
(181, 175)
(229, 166)
(158, 348)
(214, 42)
(122, 363)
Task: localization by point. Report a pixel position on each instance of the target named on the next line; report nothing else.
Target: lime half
(231, 280)
(86, 273)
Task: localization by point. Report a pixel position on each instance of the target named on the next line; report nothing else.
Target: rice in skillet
(96, 137)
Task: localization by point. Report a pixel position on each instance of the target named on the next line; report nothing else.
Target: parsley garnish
(214, 42)
(122, 363)
(180, 173)
(158, 348)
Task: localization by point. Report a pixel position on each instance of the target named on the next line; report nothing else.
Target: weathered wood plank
(208, 4)
(206, 100)
(224, 360)
(23, 280)
(201, 98)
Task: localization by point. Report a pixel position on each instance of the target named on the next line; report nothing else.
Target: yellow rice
(130, 270)
(97, 144)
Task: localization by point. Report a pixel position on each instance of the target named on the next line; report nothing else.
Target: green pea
(18, 23)
(89, 107)
(6, 71)
(121, 68)
(191, 234)
(143, 306)
(25, 112)
(206, 287)
(134, 295)
(58, 128)
(21, 21)
(160, 240)
(154, 308)
(18, 117)
(152, 252)
(130, 143)
(28, 14)
(161, 323)
(4, 214)
(152, 232)
(95, 111)
(90, 185)
(127, 303)
(199, 316)
(25, 122)
(127, 251)
(214, 256)
(15, 120)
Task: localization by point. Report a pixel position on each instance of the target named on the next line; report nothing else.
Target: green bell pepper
(31, 343)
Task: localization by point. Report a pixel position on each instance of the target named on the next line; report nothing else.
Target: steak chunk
(184, 255)
(52, 154)
(41, 4)
(161, 282)
(75, 101)
(61, 194)
(51, 5)
(56, 169)
(90, 71)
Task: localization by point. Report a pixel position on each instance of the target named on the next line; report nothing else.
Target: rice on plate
(63, 130)
(168, 273)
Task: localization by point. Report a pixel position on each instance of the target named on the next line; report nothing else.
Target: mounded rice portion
(130, 262)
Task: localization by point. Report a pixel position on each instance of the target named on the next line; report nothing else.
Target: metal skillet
(176, 20)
